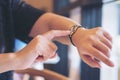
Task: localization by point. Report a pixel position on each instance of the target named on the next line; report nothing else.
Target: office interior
(90, 14)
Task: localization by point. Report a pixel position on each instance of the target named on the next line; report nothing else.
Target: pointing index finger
(56, 33)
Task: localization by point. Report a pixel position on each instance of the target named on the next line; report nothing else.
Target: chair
(47, 74)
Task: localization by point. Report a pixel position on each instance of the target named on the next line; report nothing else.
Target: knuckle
(37, 38)
(91, 38)
(98, 30)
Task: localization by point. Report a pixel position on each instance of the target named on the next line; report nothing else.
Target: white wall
(110, 23)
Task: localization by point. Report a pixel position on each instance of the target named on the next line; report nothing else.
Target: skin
(93, 45)
(36, 50)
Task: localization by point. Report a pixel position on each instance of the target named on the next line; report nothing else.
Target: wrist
(74, 29)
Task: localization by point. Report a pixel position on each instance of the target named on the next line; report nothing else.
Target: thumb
(56, 33)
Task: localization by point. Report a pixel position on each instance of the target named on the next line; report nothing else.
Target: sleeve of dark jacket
(24, 17)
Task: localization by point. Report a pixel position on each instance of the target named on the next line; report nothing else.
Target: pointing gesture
(40, 48)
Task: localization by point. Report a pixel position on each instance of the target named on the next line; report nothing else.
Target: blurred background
(89, 13)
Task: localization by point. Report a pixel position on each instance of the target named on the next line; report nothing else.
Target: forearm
(18, 60)
(59, 22)
(8, 62)
(50, 21)
(92, 44)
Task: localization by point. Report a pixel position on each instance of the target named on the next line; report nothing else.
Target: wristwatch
(72, 31)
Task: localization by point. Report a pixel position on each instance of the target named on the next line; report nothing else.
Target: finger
(106, 42)
(101, 47)
(53, 50)
(100, 56)
(53, 56)
(50, 51)
(91, 62)
(95, 59)
(107, 35)
(56, 33)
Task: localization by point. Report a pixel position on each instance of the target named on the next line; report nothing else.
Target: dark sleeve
(24, 18)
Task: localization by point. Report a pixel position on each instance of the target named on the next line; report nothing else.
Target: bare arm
(36, 50)
(93, 45)
(50, 21)
(7, 62)
(18, 60)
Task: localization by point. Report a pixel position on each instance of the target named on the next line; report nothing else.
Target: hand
(93, 45)
(40, 48)
(50, 52)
